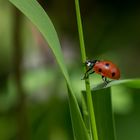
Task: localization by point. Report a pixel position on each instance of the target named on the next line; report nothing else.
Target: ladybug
(106, 69)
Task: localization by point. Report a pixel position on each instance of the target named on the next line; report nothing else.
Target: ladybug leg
(91, 72)
(105, 80)
(87, 74)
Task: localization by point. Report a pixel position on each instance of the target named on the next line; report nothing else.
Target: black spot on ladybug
(107, 64)
(100, 70)
(113, 74)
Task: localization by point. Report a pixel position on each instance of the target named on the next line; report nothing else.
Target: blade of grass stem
(88, 91)
(85, 111)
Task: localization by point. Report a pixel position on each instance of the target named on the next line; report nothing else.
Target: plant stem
(91, 111)
(85, 112)
(80, 31)
(87, 83)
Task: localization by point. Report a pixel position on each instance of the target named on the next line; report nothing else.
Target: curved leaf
(135, 83)
(38, 16)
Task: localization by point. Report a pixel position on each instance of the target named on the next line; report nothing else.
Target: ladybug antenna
(94, 61)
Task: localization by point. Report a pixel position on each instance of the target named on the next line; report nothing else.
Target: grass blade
(37, 15)
(103, 114)
(85, 112)
(103, 106)
(128, 82)
(90, 106)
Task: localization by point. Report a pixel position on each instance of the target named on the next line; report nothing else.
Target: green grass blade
(135, 83)
(103, 107)
(85, 112)
(77, 124)
(94, 133)
(103, 114)
(37, 15)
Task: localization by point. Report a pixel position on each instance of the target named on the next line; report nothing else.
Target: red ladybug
(105, 68)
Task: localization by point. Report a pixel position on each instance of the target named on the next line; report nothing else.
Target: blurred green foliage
(111, 31)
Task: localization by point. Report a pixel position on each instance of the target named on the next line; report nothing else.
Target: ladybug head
(90, 63)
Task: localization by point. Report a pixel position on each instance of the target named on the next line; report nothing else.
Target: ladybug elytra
(106, 69)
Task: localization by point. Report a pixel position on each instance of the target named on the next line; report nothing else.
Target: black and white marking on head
(88, 63)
